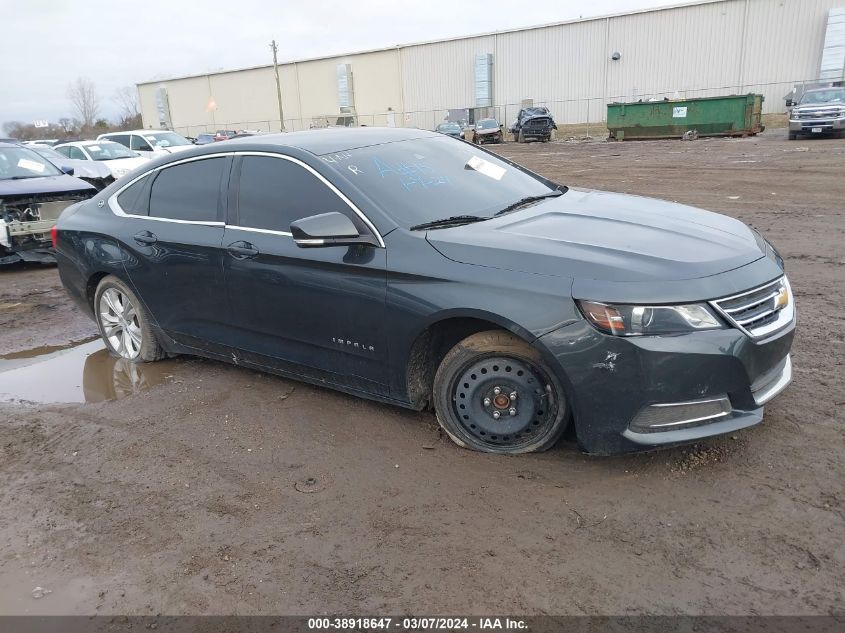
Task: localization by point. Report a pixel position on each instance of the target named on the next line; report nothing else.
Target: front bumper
(825, 125)
(614, 382)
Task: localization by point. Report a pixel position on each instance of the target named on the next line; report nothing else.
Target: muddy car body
(533, 124)
(487, 131)
(643, 322)
(33, 193)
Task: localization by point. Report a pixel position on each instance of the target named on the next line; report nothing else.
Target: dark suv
(412, 268)
(533, 124)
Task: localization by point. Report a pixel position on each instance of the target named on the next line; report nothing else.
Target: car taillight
(54, 235)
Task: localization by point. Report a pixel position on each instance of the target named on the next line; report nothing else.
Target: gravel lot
(221, 490)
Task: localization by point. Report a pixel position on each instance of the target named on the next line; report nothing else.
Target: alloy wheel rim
(504, 402)
(120, 325)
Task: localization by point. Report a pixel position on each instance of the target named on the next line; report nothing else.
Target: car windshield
(487, 124)
(422, 180)
(48, 152)
(450, 127)
(165, 139)
(108, 150)
(536, 112)
(21, 162)
(834, 95)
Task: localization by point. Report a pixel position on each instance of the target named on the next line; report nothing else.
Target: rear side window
(189, 191)
(273, 192)
(76, 153)
(64, 150)
(135, 199)
(123, 139)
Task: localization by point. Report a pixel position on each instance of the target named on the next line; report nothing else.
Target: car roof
(330, 140)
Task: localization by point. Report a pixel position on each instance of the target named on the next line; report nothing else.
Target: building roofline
(680, 5)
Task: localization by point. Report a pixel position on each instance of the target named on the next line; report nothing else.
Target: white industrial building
(706, 48)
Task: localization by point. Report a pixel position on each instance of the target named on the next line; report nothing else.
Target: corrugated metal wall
(712, 48)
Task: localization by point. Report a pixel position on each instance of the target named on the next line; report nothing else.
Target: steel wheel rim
(526, 402)
(120, 324)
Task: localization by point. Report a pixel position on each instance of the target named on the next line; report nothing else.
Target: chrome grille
(761, 311)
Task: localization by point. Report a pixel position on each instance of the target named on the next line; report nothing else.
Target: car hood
(121, 166)
(46, 184)
(83, 168)
(604, 236)
(492, 130)
(824, 109)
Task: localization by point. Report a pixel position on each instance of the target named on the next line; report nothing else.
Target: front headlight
(634, 320)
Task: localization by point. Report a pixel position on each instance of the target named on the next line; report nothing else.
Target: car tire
(124, 324)
(494, 393)
(793, 136)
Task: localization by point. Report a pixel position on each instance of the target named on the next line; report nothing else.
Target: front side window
(139, 144)
(273, 192)
(188, 191)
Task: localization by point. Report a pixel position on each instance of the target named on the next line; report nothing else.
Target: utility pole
(275, 50)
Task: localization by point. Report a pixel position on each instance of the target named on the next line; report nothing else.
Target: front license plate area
(816, 130)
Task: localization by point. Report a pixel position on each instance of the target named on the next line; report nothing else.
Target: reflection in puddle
(81, 373)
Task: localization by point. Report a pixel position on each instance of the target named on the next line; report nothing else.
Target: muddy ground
(185, 497)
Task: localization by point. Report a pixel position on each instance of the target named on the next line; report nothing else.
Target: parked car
(488, 131)
(415, 269)
(33, 192)
(450, 129)
(204, 139)
(149, 143)
(117, 158)
(96, 174)
(819, 111)
(533, 124)
(224, 135)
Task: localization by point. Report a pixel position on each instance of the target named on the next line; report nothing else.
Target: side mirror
(327, 229)
(67, 170)
(789, 103)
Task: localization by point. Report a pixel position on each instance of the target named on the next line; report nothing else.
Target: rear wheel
(123, 322)
(493, 393)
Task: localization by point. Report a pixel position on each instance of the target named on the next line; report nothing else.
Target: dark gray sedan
(411, 268)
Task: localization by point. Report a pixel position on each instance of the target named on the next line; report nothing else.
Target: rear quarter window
(135, 199)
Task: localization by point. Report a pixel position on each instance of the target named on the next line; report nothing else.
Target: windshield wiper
(455, 220)
(528, 200)
(22, 177)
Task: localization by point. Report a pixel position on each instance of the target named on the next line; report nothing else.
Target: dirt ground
(223, 491)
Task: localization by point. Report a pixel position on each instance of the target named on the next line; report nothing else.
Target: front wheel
(123, 322)
(793, 136)
(493, 393)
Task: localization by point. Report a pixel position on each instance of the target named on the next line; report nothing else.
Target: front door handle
(242, 250)
(145, 237)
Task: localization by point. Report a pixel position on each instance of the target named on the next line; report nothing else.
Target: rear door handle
(145, 237)
(242, 250)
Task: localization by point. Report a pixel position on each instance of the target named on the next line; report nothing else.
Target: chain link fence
(574, 117)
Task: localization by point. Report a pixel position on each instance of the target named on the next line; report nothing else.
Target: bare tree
(86, 102)
(126, 99)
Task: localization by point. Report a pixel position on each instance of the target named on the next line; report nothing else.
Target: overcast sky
(47, 43)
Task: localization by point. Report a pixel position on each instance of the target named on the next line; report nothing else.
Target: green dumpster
(736, 115)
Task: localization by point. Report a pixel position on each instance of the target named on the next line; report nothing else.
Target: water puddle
(80, 372)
